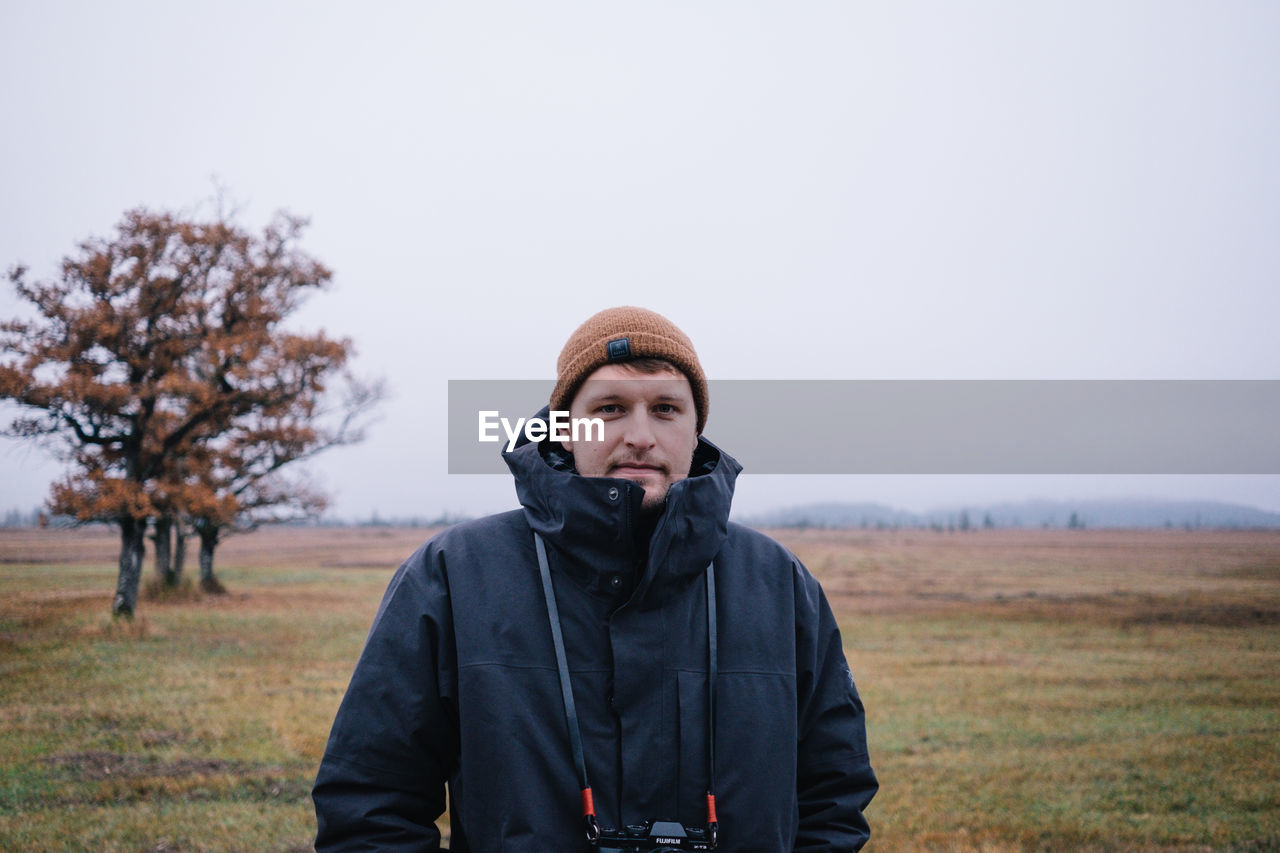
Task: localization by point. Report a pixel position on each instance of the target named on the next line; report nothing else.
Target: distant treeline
(1189, 515)
(40, 518)
(35, 517)
(375, 520)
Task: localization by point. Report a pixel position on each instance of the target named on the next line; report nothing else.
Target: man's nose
(639, 432)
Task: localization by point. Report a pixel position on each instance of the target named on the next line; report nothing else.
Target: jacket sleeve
(381, 783)
(834, 779)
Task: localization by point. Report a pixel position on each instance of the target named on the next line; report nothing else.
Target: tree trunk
(132, 540)
(179, 551)
(163, 537)
(208, 542)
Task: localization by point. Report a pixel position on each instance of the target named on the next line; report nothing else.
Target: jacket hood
(592, 520)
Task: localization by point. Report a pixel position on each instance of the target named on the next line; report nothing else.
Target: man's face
(650, 428)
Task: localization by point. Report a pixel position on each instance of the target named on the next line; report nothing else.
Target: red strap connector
(589, 816)
(713, 825)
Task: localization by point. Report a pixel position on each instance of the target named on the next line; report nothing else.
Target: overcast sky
(940, 190)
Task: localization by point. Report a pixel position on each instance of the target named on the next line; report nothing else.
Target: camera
(655, 836)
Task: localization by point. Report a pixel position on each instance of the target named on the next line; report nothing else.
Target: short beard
(648, 509)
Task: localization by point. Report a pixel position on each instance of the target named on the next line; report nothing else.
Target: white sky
(811, 190)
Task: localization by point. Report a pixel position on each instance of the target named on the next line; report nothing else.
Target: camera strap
(571, 713)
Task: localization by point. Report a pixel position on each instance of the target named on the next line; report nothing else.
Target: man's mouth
(622, 469)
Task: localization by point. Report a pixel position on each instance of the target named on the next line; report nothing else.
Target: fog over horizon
(825, 190)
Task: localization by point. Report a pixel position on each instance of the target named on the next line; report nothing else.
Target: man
(564, 668)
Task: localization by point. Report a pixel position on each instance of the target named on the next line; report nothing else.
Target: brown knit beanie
(622, 334)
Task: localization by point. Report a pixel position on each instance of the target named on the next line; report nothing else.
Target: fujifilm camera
(655, 836)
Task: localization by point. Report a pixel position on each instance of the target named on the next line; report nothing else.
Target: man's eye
(609, 409)
(665, 409)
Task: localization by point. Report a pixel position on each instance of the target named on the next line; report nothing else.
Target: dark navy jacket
(458, 682)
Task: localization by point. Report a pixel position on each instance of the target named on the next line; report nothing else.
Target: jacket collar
(591, 520)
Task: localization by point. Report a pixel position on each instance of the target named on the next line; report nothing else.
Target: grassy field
(1026, 690)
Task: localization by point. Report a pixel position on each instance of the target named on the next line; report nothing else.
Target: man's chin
(655, 495)
(653, 507)
(654, 486)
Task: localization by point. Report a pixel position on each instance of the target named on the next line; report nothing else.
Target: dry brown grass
(1026, 690)
(198, 725)
(1116, 575)
(1064, 690)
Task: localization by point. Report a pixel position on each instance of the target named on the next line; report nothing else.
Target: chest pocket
(693, 777)
(755, 756)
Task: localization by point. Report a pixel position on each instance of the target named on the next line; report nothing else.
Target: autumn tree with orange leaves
(159, 369)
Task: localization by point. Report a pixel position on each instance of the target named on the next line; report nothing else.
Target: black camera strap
(571, 713)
